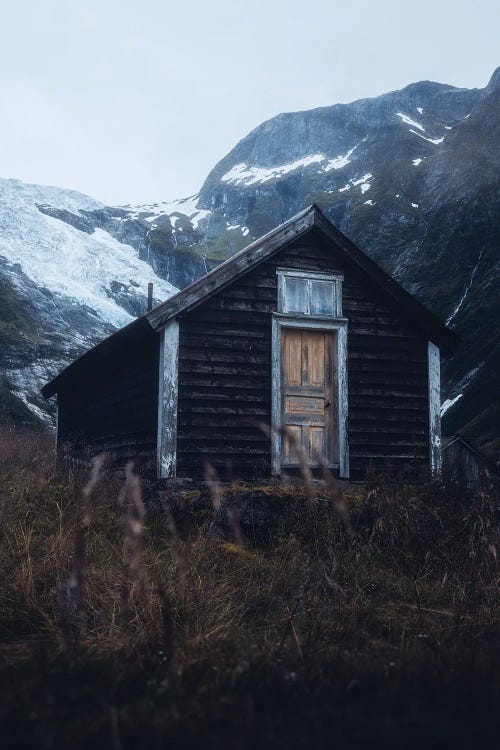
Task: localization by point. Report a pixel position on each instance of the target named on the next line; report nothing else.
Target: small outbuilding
(462, 462)
(300, 332)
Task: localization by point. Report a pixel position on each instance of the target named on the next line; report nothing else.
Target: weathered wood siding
(461, 464)
(114, 408)
(225, 374)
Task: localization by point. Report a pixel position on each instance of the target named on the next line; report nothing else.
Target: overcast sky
(136, 100)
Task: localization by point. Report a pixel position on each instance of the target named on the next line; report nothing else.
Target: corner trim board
(434, 364)
(168, 378)
(280, 321)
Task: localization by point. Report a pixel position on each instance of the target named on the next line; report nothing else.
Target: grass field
(131, 619)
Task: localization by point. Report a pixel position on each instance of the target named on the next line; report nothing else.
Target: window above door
(306, 293)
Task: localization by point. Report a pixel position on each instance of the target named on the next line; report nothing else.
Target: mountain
(411, 176)
(65, 283)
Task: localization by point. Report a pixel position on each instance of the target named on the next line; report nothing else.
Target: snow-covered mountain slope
(411, 176)
(76, 284)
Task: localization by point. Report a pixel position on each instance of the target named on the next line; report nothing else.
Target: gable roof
(242, 262)
(447, 442)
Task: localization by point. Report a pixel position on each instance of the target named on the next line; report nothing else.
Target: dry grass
(371, 616)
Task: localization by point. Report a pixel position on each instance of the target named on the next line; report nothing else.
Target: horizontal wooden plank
(241, 320)
(215, 459)
(216, 434)
(382, 414)
(403, 391)
(227, 330)
(242, 410)
(225, 381)
(379, 355)
(363, 377)
(118, 426)
(216, 420)
(186, 447)
(217, 368)
(105, 442)
(381, 333)
(231, 356)
(138, 395)
(387, 441)
(215, 396)
(394, 403)
(202, 342)
(239, 305)
(263, 290)
(410, 430)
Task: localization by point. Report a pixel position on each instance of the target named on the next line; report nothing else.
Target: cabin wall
(225, 374)
(113, 408)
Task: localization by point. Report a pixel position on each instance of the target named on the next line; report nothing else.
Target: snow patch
(369, 203)
(363, 182)
(436, 141)
(242, 174)
(414, 205)
(339, 161)
(408, 121)
(151, 212)
(466, 292)
(446, 405)
(416, 162)
(420, 110)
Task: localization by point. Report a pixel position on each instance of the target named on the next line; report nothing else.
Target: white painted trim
(434, 379)
(279, 322)
(56, 426)
(168, 379)
(316, 276)
(284, 273)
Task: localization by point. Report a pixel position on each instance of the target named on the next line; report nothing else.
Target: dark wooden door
(307, 388)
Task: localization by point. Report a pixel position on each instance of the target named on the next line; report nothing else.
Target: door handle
(327, 404)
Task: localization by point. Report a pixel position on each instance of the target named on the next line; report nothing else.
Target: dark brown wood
(109, 399)
(226, 353)
(115, 410)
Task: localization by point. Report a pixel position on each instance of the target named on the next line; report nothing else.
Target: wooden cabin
(301, 329)
(462, 463)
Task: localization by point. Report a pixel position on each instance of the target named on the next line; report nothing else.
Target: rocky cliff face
(411, 176)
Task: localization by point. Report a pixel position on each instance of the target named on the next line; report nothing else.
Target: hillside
(411, 176)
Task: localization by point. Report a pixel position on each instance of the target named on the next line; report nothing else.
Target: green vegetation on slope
(16, 331)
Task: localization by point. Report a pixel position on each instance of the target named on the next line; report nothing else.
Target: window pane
(322, 297)
(295, 295)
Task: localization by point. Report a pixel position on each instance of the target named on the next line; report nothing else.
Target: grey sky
(136, 100)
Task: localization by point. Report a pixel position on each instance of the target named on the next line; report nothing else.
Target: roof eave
(233, 268)
(434, 328)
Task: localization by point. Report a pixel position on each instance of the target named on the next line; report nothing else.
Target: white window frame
(336, 279)
(339, 326)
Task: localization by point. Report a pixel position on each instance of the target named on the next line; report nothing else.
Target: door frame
(338, 325)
